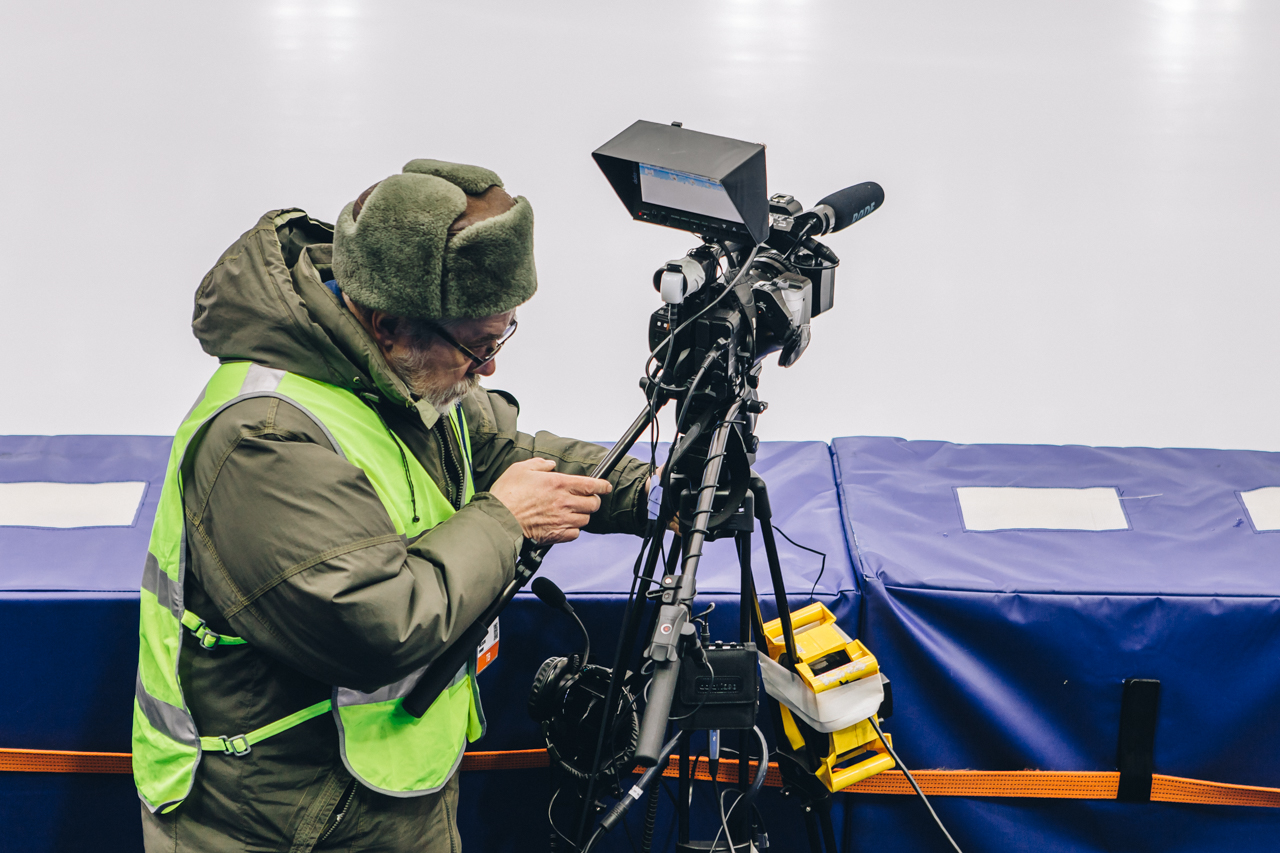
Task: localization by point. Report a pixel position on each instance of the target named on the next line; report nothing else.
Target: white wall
(1078, 243)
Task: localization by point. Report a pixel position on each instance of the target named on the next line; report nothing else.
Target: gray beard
(415, 373)
(444, 399)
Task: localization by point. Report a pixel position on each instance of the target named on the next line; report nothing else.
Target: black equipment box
(724, 696)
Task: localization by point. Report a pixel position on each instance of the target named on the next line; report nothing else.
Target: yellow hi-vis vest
(383, 746)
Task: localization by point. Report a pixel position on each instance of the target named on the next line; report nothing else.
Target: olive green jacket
(289, 549)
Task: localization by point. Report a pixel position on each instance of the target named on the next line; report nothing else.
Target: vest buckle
(236, 744)
(208, 639)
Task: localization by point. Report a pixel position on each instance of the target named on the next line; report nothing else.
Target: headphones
(551, 684)
(568, 699)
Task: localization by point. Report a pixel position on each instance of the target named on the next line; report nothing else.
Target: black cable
(698, 707)
(595, 836)
(884, 740)
(746, 798)
(797, 239)
(712, 355)
(693, 771)
(626, 830)
(650, 821)
(822, 570)
(552, 821)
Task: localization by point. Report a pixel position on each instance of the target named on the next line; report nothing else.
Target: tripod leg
(811, 828)
(682, 807)
(823, 808)
(626, 640)
(747, 607)
(779, 591)
(746, 603)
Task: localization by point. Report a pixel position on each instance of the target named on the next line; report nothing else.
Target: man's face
(439, 372)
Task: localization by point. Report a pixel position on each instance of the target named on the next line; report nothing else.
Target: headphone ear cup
(572, 729)
(545, 689)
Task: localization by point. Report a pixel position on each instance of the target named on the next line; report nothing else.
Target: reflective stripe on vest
(382, 746)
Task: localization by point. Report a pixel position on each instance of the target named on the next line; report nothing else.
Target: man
(341, 503)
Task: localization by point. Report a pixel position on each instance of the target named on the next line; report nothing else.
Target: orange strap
(936, 783)
(512, 759)
(55, 761)
(1018, 783)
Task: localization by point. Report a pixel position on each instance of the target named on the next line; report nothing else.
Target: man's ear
(383, 327)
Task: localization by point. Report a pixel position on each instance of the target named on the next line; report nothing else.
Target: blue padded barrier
(1008, 649)
(974, 628)
(68, 622)
(69, 634)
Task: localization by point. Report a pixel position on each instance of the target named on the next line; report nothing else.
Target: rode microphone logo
(866, 211)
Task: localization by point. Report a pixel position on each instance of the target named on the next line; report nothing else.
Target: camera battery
(724, 695)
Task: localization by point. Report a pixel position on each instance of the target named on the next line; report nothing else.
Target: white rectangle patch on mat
(1263, 506)
(1016, 508)
(67, 505)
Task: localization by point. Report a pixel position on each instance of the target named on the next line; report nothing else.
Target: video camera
(750, 289)
(710, 343)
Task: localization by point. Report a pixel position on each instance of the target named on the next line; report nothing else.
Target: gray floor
(1077, 245)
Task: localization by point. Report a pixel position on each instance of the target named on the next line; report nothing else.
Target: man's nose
(486, 369)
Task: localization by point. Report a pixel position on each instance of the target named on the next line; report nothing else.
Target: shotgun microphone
(843, 208)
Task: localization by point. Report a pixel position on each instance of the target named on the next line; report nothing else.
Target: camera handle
(441, 671)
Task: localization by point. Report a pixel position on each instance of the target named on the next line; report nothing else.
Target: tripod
(719, 511)
(708, 346)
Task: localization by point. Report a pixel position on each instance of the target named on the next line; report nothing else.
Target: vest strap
(243, 744)
(208, 639)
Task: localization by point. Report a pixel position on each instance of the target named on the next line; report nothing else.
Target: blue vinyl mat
(1007, 648)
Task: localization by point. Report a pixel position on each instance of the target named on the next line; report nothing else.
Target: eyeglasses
(478, 361)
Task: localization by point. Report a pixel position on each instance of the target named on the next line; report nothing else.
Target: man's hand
(550, 507)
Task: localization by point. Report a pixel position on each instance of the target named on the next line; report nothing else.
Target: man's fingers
(584, 504)
(586, 485)
(537, 463)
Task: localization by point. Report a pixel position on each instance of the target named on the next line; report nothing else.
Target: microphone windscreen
(550, 594)
(852, 203)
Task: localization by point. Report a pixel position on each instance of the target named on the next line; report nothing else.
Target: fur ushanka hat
(392, 250)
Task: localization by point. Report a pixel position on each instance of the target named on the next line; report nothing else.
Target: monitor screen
(682, 191)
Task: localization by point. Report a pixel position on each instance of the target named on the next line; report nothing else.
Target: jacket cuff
(631, 509)
(488, 505)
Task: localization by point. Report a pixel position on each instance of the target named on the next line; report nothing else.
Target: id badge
(487, 652)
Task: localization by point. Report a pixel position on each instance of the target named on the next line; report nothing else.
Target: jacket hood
(265, 301)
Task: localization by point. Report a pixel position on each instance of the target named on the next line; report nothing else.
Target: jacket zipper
(344, 804)
(453, 470)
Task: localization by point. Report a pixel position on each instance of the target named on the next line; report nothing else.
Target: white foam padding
(1263, 506)
(828, 711)
(1016, 508)
(66, 505)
